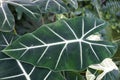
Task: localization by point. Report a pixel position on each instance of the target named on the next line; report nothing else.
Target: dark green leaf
(73, 75)
(63, 45)
(11, 69)
(7, 22)
(53, 6)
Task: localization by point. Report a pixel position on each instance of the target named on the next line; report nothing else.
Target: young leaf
(109, 71)
(11, 69)
(63, 45)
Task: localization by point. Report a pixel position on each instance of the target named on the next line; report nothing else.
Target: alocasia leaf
(11, 69)
(32, 8)
(54, 6)
(63, 45)
(7, 21)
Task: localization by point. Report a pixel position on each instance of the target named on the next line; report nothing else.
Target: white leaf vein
(42, 54)
(23, 70)
(47, 5)
(60, 55)
(108, 50)
(6, 18)
(38, 39)
(47, 75)
(94, 52)
(56, 33)
(70, 29)
(10, 77)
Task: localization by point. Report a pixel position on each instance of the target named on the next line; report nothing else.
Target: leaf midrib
(53, 44)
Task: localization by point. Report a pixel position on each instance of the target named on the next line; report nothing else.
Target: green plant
(57, 40)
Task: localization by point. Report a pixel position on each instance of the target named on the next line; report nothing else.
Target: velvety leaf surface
(63, 45)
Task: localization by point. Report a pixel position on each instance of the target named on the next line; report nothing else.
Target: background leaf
(6, 18)
(6, 15)
(53, 6)
(31, 8)
(73, 3)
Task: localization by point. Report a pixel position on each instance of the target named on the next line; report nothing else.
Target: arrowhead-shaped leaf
(63, 45)
(11, 69)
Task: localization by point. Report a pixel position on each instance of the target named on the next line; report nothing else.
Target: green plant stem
(15, 32)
